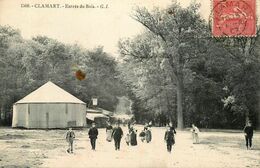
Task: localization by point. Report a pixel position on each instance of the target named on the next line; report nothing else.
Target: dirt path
(185, 154)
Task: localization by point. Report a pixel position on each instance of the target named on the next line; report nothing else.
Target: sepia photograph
(129, 84)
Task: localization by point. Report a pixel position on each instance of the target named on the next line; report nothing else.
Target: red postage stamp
(234, 18)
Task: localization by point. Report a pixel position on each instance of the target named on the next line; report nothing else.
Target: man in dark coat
(248, 130)
(117, 134)
(93, 133)
(169, 138)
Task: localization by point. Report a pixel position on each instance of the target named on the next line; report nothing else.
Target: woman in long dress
(132, 133)
(148, 135)
(109, 130)
(169, 138)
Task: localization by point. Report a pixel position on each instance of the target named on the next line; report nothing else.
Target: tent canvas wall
(49, 107)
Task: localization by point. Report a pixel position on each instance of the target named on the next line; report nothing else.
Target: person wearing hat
(93, 133)
(117, 134)
(70, 136)
(248, 131)
(169, 138)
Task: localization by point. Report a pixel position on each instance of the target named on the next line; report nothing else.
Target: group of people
(112, 133)
(116, 134)
(169, 136)
(131, 136)
(146, 135)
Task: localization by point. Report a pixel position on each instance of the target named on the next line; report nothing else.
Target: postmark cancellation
(233, 18)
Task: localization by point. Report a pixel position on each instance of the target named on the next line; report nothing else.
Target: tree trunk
(180, 87)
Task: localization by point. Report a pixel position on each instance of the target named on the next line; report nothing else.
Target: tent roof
(50, 93)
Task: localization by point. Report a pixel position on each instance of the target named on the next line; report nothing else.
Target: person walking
(195, 134)
(70, 136)
(93, 133)
(117, 134)
(109, 130)
(133, 140)
(169, 138)
(249, 131)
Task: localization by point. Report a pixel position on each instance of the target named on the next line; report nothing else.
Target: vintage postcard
(130, 83)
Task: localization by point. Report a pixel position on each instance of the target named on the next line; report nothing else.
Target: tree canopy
(180, 71)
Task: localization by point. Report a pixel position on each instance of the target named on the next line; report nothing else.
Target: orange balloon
(80, 75)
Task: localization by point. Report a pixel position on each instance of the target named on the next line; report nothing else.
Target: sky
(87, 27)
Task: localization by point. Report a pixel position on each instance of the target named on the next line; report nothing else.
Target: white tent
(49, 107)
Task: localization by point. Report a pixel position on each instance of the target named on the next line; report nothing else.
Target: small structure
(49, 107)
(99, 116)
(123, 118)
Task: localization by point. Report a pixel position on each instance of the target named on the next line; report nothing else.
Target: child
(143, 135)
(248, 130)
(93, 133)
(70, 136)
(169, 138)
(127, 139)
(195, 134)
